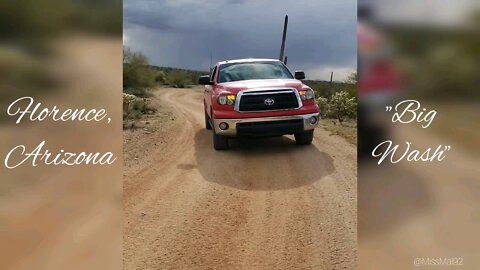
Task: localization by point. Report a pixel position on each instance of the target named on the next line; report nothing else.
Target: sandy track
(263, 204)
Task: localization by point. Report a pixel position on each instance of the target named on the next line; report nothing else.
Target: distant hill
(178, 69)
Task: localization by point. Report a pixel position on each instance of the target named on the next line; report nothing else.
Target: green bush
(323, 104)
(160, 77)
(136, 72)
(134, 107)
(178, 79)
(342, 106)
(140, 105)
(337, 99)
(138, 91)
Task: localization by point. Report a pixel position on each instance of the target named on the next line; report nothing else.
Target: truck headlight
(310, 94)
(306, 94)
(222, 100)
(226, 100)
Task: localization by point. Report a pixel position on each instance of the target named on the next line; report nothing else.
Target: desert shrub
(160, 77)
(128, 101)
(342, 106)
(323, 104)
(138, 91)
(135, 107)
(136, 72)
(178, 79)
(327, 89)
(140, 105)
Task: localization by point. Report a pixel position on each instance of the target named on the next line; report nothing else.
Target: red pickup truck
(258, 97)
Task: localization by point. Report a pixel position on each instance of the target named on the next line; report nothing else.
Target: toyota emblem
(269, 101)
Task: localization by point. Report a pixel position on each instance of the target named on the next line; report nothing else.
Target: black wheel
(219, 142)
(304, 137)
(207, 122)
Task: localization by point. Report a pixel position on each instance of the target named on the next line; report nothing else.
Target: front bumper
(266, 126)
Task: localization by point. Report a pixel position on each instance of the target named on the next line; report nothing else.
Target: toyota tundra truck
(258, 97)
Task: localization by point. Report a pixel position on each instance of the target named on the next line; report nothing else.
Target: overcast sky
(181, 33)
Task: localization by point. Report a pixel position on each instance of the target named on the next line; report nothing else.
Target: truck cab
(258, 97)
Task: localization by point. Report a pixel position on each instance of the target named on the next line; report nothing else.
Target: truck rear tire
(304, 138)
(207, 122)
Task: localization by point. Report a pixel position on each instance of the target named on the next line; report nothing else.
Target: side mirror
(299, 75)
(204, 80)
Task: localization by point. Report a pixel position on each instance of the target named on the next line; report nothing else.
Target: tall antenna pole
(284, 37)
(211, 61)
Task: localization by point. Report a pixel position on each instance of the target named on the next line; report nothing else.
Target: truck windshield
(253, 71)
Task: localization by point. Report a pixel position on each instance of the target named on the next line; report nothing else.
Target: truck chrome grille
(268, 100)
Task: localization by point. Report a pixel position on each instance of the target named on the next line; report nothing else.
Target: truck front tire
(304, 138)
(207, 122)
(219, 142)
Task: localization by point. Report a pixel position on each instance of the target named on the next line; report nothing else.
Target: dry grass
(347, 130)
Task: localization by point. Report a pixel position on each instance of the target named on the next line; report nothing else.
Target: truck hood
(235, 87)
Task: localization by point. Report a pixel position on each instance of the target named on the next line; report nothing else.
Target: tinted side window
(212, 76)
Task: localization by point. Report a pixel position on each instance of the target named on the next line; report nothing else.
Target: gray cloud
(181, 33)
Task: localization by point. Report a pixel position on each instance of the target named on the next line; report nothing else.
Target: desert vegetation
(140, 78)
(337, 100)
(338, 106)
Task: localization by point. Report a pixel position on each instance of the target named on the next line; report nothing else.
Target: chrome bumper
(232, 123)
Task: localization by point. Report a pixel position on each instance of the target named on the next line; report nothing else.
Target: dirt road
(263, 204)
